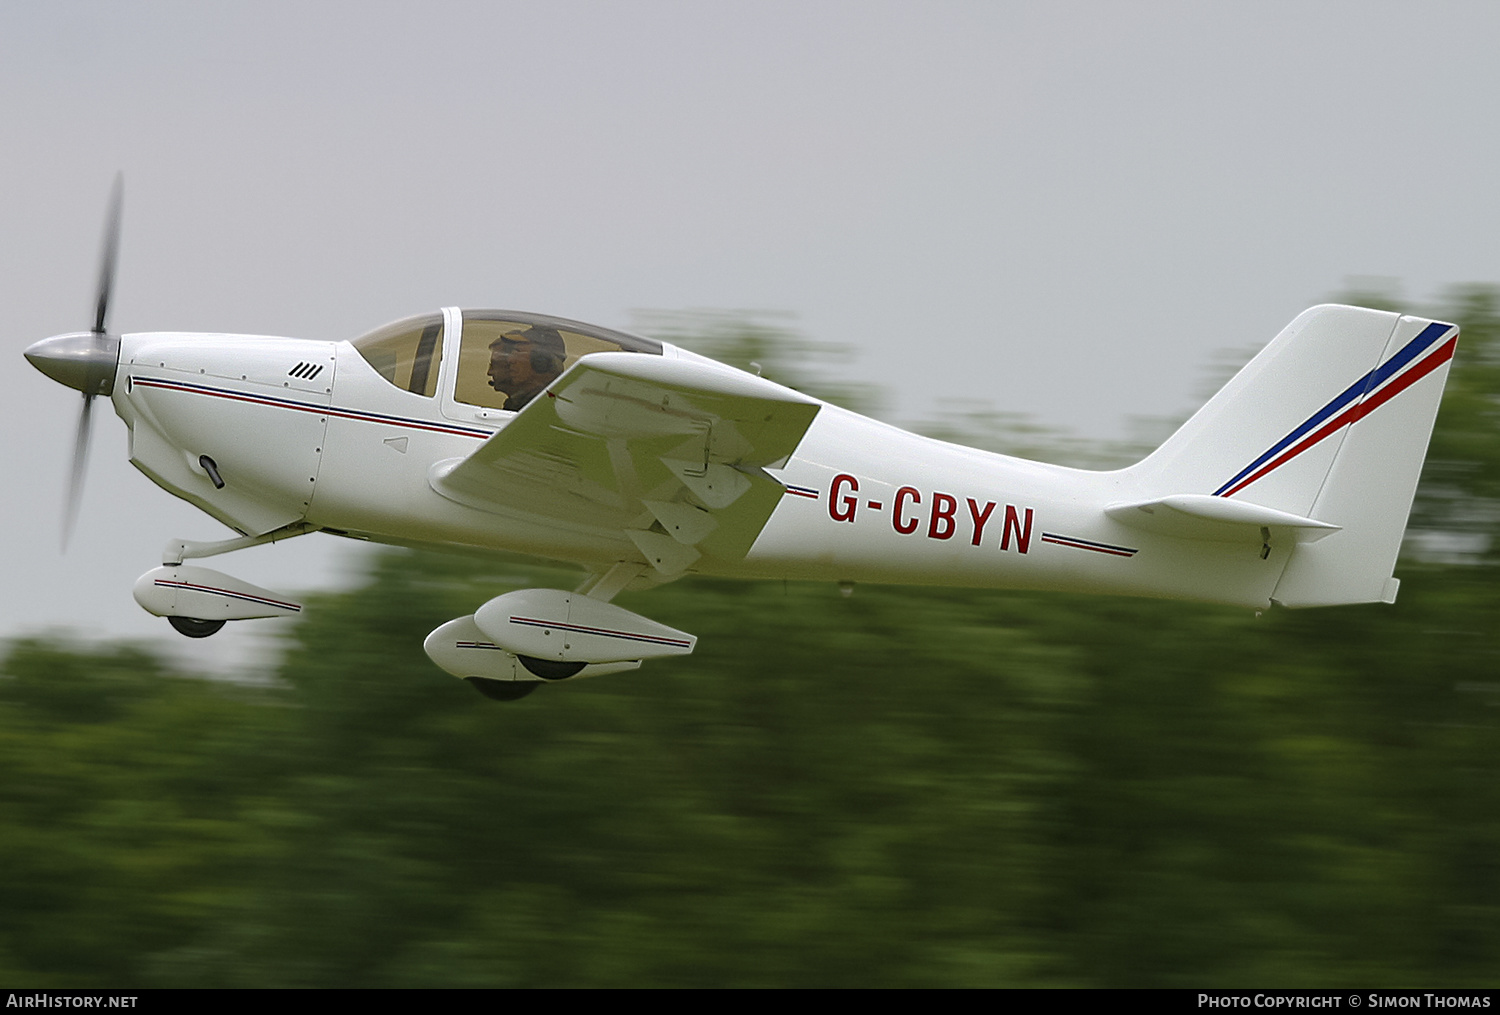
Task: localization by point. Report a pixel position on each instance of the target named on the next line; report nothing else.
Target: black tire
(502, 690)
(550, 669)
(195, 628)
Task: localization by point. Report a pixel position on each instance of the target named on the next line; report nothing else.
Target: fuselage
(307, 431)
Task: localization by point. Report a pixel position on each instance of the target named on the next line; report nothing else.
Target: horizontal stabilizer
(1200, 516)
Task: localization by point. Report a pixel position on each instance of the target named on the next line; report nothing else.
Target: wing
(668, 453)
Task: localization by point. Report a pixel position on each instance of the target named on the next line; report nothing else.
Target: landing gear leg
(179, 550)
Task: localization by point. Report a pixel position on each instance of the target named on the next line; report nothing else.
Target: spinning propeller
(86, 360)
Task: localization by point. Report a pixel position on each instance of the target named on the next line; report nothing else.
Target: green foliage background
(901, 788)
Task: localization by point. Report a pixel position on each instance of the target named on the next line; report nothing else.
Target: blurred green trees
(902, 788)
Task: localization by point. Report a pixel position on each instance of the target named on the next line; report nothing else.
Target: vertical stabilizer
(1330, 422)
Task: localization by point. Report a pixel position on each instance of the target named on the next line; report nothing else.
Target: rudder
(1373, 480)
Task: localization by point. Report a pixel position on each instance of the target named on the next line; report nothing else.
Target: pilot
(522, 363)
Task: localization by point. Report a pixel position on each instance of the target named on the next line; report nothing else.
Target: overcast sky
(1064, 209)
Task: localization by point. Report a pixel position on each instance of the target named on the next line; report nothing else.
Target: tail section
(1330, 422)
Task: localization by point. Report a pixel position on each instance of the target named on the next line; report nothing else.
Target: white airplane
(641, 463)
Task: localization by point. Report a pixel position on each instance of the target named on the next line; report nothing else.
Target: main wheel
(195, 628)
(550, 669)
(502, 690)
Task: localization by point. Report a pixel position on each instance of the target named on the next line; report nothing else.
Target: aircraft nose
(85, 360)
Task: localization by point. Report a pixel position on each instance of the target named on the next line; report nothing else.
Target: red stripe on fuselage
(324, 410)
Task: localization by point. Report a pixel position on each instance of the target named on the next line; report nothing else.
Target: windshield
(406, 353)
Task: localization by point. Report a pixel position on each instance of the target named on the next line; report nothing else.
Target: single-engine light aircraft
(641, 463)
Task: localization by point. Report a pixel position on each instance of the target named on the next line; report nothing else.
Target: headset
(543, 358)
(543, 361)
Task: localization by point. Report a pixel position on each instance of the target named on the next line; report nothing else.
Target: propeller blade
(107, 256)
(80, 464)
